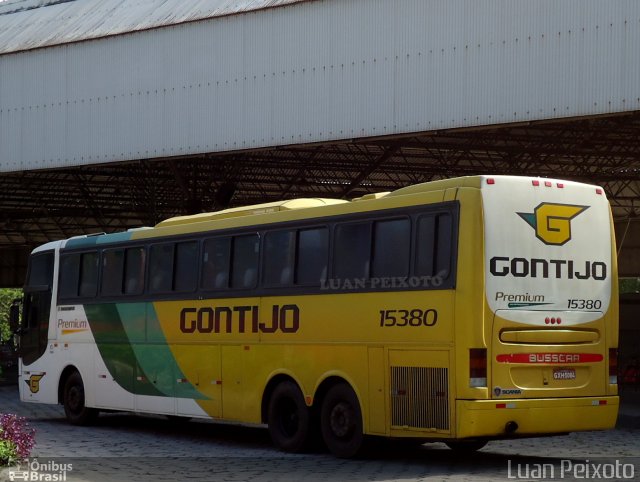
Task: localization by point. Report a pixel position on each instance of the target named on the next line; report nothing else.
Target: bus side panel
(470, 301)
(377, 392)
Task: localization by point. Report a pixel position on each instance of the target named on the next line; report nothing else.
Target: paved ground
(126, 447)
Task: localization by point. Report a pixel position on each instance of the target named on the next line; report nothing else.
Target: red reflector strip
(598, 191)
(549, 358)
(613, 362)
(501, 405)
(491, 181)
(547, 184)
(597, 403)
(535, 183)
(560, 185)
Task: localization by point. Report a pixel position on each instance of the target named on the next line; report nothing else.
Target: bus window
(186, 266)
(69, 275)
(425, 248)
(352, 251)
(313, 252)
(443, 248)
(161, 268)
(88, 275)
(215, 264)
(112, 272)
(245, 261)
(433, 245)
(279, 257)
(391, 248)
(134, 271)
(41, 270)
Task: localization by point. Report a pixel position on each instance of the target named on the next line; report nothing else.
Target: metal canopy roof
(32, 24)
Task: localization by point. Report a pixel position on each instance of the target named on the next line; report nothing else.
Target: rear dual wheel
(341, 421)
(291, 423)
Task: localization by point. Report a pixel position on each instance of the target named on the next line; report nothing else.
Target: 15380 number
(415, 317)
(584, 304)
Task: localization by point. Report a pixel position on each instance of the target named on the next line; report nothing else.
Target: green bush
(7, 295)
(8, 454)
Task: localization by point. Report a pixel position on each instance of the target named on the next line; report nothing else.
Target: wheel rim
(288, 417)
(342, 420)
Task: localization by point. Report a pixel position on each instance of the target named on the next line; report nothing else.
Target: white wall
(317, 71)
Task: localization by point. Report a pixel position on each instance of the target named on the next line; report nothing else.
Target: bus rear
(551, 316)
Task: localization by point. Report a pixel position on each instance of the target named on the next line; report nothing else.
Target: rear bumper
(488, 418)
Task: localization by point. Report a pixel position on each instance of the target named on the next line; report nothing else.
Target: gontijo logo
(552, 222)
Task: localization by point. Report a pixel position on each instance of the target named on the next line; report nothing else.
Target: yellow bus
(461, 311)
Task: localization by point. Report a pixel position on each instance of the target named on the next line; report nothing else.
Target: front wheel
(341, 421)
(74, 402)
(288, 418)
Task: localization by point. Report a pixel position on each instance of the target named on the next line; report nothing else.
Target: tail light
(478, 367)
(613, 366)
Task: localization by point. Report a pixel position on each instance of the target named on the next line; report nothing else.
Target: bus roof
(277, 211)
(251, 210)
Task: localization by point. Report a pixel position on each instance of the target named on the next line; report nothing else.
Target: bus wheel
(466, 446)
(288, 418)
(341, 421)
(74, 408)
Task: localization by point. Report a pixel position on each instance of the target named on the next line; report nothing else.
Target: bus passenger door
(34, 331)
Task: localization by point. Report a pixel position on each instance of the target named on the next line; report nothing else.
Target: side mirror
(14, 315)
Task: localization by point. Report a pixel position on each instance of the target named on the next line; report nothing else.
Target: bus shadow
(256, 453)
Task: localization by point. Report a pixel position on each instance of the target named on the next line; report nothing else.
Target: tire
(74, 402)
(466, 446)
(289, 418)
(341, 422)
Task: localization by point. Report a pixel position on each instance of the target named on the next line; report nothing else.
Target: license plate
(564, 374)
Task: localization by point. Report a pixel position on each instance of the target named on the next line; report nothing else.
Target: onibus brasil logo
(552, 222)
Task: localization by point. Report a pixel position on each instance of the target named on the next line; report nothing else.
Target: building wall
(315, 72)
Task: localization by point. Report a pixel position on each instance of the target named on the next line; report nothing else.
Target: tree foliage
(629, 285)
(7, 295)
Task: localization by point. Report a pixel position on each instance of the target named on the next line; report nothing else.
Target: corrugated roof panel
(31, 24)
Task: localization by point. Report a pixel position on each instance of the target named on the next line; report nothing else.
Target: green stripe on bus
(155, 356)
(116, 350)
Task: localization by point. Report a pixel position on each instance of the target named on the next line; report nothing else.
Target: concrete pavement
(129, 447)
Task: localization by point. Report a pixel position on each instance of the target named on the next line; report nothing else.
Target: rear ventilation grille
(419, 398)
